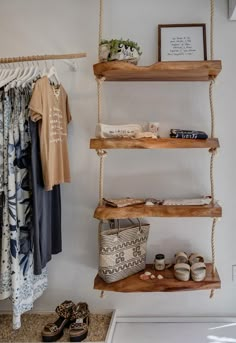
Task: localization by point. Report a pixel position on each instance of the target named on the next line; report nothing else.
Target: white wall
(62, 26)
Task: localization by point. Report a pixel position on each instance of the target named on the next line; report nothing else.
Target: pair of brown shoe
(74, 317)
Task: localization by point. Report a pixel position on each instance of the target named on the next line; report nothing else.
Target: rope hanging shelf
(162, 71)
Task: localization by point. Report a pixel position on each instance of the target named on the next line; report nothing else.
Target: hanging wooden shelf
(142, 211)
(152, 143)
(168, 284)
(161, 71)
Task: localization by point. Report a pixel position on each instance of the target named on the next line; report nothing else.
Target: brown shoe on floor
(79, 329)
(53, 331)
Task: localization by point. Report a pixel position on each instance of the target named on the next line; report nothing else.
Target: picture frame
(182, 42)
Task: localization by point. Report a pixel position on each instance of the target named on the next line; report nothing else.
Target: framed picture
(182, 42)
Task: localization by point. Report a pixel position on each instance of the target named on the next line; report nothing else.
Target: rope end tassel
(212, 293)
(102, 294)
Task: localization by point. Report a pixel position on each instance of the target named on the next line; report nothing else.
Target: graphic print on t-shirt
(57, 133)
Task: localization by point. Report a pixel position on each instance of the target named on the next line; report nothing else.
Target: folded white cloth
(196, 201)
(116, 131)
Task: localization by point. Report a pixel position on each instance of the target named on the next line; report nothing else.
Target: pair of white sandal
(193, 265)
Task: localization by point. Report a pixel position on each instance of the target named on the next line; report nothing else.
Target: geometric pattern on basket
(110, 275)
(123, 266)
(123, 252)
(123, 245)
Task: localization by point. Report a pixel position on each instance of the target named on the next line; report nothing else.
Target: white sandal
(182, 271)
(195, 258)
(181, 257)
(198, 271)
(198, 267)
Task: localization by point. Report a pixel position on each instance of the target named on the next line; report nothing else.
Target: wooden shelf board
(160, 71)
(142, 211)
(168, 284)
(152, 143)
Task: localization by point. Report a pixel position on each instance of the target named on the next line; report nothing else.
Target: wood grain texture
(161, 71)
(168, 284)
(152, 143)
(142, 211)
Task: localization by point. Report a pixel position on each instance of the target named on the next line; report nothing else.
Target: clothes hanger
(53, 74)
(26, 69)
(33, 77)
(45, 70)
(2, 71)
(13, 83)
(6, 72)
(10, 78)
(29, 73)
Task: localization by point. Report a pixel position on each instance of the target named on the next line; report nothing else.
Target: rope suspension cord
(99, 238)
(101, 153)
(212, 151)
(212, 28)
(100, 26)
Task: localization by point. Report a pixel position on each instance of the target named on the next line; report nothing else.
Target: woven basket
(122, 251)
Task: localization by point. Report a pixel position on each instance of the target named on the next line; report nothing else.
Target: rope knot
(213, 151)
(101, 153)
(100, 79)
(212, 80)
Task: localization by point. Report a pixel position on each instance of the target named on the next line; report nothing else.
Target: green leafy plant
(115, 43)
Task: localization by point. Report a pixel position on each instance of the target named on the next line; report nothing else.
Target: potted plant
(119, 50)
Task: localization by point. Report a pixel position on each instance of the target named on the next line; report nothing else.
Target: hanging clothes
(17, 279)
(33, 162)
(49, 104)
(46, 210)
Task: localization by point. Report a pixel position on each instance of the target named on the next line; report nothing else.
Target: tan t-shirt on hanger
(50, 105)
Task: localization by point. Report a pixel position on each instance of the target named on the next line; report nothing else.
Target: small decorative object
(160, 277)
(152, 277)
(154, 128)
(123, 202)
(117, 131)
(145, 135)
(182, 42)
(148, 273)
(160, 262)
(122, 251)
(197, 201)
(152, 202)
(119, 50)
(189, 134)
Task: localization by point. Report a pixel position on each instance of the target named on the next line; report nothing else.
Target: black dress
(46, 232)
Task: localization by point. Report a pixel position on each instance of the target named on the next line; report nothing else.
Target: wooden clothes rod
(42, 58)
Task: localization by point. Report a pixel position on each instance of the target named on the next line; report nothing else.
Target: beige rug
(32, 325)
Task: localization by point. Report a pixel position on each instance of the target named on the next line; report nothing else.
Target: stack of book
(191, 134)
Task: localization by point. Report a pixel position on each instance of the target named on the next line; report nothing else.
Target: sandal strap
(80, 311)
(180, 266)
(79, 326)
(65, 309)
(195, 258)
(198, 265)
(181, 256)
(51, 327)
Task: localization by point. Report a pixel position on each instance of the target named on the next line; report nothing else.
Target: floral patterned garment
(17, 279)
